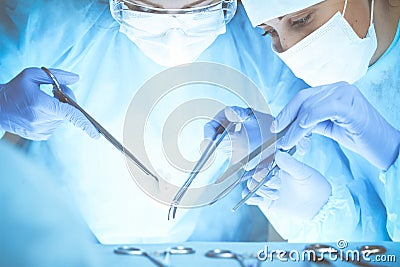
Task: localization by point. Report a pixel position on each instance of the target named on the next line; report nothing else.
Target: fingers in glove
(210, 128)
(289, 113)
(328, 103)
(68, 92)
(237, 114)
(254, 200)
(31, 132)
(248, 175)
(333, 103)
(304, 145)
(291, 166)
(274, 182)
(70, 113)
(266, 191)
(293, 136)
(38, 76)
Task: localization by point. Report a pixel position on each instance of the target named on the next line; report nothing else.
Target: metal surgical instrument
(63, 97)
(272, 170)
(321, 250)
(225, 254)
(211, 147)
(178, 250)
(126, 250)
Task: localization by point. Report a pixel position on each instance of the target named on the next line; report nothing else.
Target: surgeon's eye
(294, 22)
(269, 31)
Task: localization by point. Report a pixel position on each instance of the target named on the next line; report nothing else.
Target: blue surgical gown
(381, 86)
(81, 36)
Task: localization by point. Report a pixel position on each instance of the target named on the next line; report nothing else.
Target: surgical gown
(82, 37)
(381, 86)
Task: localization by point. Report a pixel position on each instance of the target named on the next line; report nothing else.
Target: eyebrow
(300, 12)
(148, 3)
(196, 3)
(152, 4)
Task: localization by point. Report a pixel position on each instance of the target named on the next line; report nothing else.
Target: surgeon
(354, 45)
(348, 51)
(114, 54)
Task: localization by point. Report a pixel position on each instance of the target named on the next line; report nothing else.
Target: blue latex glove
(296, 190)
(254, 130)
(341, 112)
(27, 111)
(292, 186)
(270, 190)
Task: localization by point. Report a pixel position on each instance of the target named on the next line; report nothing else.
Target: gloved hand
(27, 111)
(296, 190)
(254, 130)
(269, 191)
(341, 112)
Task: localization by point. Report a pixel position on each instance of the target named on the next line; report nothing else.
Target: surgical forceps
(132, 251)
(367, 250)
(210, 149)
(272, 170)
(63, 97)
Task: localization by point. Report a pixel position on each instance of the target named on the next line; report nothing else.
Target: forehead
(174, 4)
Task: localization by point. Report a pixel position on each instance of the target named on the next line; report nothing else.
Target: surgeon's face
(288, 30)
(175, 4)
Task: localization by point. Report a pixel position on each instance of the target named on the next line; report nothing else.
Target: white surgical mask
(172, 37)
(332, 53)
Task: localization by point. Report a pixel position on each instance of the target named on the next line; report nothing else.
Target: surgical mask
(173, 36)
(332, 53)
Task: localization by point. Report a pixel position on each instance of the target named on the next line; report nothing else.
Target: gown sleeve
(390, 178)
(353, 212)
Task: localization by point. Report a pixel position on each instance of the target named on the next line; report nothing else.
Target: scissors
(63, 97)
(132, 251)
(126, 250)
(321, 249)
(178, 250)
(373, 249)
(208, 152)
(227, 254)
